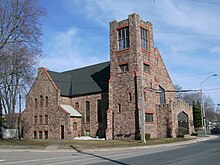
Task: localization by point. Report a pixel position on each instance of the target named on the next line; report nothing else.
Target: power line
(184, 33)
(200, 74)
(190, 50)
(76, 26)
(101, 27)
(208, 2)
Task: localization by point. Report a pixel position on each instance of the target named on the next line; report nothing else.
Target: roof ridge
(84, 67)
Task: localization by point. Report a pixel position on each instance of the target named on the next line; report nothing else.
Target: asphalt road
(202, 153)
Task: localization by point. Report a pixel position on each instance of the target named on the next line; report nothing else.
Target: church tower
(131, 60)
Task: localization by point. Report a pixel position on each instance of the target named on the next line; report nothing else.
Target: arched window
(145, 96)
(162, 95)
(46, 101)
(35, 134)
(46, 119)
(87, 111)
(35, 102)
(129, 97)
(119, 108)
(76, 105)
(41, 119)
(99, 111)
(41, 101)
(74, 126)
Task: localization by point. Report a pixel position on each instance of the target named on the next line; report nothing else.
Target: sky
(186, 32)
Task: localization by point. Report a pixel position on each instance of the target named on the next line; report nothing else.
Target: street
(201, 153)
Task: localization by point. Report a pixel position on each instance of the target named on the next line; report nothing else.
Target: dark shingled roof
(86, 80)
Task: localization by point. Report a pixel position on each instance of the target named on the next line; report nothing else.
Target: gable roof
(86, 80)
(69, 109)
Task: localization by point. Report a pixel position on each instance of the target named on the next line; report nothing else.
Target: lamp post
(203, 115)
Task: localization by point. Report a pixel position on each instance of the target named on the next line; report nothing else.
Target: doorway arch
(183, 122)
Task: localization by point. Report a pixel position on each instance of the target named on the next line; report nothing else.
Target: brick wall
(94, 127)
(42, 88)
(125, 84)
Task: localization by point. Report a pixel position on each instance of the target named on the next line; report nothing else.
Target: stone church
(107, 99)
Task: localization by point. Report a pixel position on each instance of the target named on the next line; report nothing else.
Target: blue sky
(186, 32)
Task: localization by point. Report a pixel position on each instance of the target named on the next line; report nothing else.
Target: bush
(138, 137)
(180, 136)
(147, 136)
(181, 131)
(194, 134)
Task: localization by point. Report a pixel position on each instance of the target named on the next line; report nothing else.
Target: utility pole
(142, 115)
(0, 118)
(19, 117)
(203, 114)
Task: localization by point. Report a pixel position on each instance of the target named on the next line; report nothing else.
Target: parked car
(215, 131)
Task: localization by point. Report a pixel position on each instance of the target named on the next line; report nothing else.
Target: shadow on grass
(97, 156)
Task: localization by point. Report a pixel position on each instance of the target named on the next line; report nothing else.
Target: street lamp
(203, 115)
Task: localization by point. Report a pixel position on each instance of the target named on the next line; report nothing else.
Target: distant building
(104, 100)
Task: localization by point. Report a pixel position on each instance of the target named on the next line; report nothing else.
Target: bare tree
(20, 23)
(20, 48)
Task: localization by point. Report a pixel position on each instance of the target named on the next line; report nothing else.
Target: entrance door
(183, 122)
(62, 132)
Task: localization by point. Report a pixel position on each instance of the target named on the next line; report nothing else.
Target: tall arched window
(99, 111)
(87, 111)
(162, 95)
(76, 105)
(119, 108)
(46, 101)
(35, 102)
(74, 126)
(41, 101)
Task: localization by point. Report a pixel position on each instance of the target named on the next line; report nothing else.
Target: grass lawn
(82, 145)
(24, 144)
(91, 144)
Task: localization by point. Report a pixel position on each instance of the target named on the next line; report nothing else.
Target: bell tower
(131, 53)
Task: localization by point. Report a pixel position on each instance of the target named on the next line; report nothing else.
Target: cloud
(66, 51)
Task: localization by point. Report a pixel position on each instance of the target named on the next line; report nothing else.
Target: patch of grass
(24, 144)
(92, 144)
(165, 141)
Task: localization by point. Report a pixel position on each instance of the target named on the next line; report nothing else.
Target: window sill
(147, 122)
(145, 51)
(118, 52)
(123, 72)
